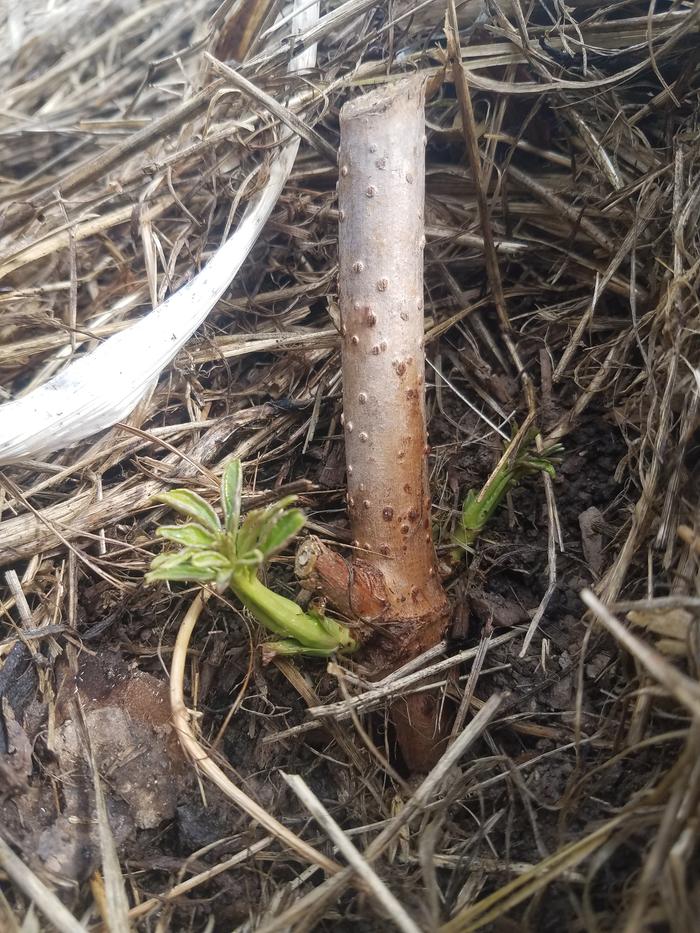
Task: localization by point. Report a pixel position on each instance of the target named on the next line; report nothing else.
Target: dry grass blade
(98, 390)
(9, 917)
(560, 272)
(105, 386)
(116, 912)
(688, 535)
(37, 892)
(199, 756)
(526, 885)
(375, 885)
(685, 690)
(313, 904)
(286, 116)
(472, 147)
(184, 887)
(396, 686)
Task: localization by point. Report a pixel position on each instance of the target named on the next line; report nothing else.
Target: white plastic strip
(104, 386)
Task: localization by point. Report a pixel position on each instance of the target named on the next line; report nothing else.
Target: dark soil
(503, 586)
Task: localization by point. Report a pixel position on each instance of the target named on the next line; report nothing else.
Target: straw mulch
(125, 159)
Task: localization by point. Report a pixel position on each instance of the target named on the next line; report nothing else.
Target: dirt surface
(171, 816)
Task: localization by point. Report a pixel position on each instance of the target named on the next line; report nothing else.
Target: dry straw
(168, 255)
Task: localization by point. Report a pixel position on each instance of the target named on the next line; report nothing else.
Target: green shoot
(477, 509)
(231, 556)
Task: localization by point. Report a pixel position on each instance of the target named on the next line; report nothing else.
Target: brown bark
(356, 589)
(381, 195)
(389, 636)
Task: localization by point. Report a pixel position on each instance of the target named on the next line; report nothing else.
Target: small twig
(366, 739)
(344, 740)
(469, 131)
(432, 687)
(552, 528)
(470, 685)
(341, 709)
(463, 398)
(23, 609)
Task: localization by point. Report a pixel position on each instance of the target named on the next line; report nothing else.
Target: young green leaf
(283, 616)
(232, 559)
(478, 509)
(535, 464)
(253, 558)
(193, 506)
(184, 573)
(171, 559)
(231, 488)
(257, 523)
(213, 559)
(249, 533)
(270, 512)
(189, 535)
(281, 532)
(289, 647)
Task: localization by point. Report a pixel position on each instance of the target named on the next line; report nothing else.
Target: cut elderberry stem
(381, 195)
